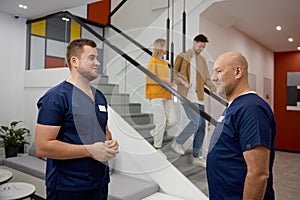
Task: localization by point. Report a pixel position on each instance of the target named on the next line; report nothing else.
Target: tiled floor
(287, 176)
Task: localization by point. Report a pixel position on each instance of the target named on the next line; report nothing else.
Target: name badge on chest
(221, 118)
(102, 108)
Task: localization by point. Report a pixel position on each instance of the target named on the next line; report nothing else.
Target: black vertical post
(28, 46)
(172, 62)
(168, 34)
(183, 28)
(172, 46)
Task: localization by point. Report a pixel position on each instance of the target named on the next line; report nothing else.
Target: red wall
(288, 122)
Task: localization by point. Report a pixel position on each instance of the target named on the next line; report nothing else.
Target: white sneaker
(162, 153)
(178, 148)
(200, 161)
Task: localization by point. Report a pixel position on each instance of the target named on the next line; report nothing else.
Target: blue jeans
(196, 126)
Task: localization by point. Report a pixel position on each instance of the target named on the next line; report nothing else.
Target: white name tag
(221, 118)
(102, 108)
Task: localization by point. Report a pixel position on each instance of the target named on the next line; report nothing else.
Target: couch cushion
(130, 188)
(27, 164)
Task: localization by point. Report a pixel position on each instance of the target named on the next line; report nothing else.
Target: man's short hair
(201, 38)
(75, 48)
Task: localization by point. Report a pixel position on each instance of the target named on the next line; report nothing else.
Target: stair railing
(146, 50)
(132, 61)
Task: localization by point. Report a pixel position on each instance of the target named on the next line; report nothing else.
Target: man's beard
(88, 75)
(197, 52)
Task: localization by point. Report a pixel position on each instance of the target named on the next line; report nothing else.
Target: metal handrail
(135, 63)
(117, 8)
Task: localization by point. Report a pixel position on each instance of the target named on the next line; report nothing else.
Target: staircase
(143, 123)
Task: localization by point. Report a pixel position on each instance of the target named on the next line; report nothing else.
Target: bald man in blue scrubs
(241, 151)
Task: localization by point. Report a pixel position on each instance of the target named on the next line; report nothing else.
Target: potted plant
(13, 137)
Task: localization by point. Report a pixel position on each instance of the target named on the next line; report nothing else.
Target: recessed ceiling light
(278, 28)
(65, 19)
(290, 39)
(298, 48)
(23, 6)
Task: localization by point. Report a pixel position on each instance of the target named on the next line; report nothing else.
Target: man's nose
(214, 77)
(98, 63)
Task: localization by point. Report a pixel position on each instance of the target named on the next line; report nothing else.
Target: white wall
(260, 59)
(36, 83)
(139, 14)
(12, 54)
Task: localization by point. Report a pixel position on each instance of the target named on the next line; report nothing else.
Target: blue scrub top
(82, 121)
(246, 123)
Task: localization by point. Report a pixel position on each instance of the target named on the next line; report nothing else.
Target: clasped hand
(103, 151)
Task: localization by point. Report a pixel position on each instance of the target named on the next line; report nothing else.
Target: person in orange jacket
(164, 116)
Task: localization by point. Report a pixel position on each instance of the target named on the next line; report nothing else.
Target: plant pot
(11, 151)
(21, 148)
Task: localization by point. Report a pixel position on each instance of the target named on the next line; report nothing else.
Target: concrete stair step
(102, 79)
(200, 180)
(167, 139)
(182, 163)
(144, 130)
(138, 118)
(107, 88)
(117, 98)
(127, 108)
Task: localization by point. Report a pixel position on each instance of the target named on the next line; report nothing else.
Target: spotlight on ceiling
(278, 28)
(23, 6)
(65, 19)
(290, 39)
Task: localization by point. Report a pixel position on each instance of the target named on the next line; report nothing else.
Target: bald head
(231, 74)
(234, 59)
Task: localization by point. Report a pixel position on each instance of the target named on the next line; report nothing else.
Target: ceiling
(255, 18)
(38, 8)
(258, 18)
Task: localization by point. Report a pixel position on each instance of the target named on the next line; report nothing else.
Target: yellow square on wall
(39, 28)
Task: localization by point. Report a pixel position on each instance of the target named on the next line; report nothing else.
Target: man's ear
(239, 71)
(74, 61)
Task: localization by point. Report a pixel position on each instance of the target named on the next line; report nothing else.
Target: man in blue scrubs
(71, 130)
(241, 151)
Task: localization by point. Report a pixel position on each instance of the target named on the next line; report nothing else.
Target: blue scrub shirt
(82, 121)
(246, 123)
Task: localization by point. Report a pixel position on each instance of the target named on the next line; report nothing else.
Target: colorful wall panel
(75, 30)
(50, 37)
(56, 48)
(54, 62)
(99, 11)
(39, 28)
(37, 53)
